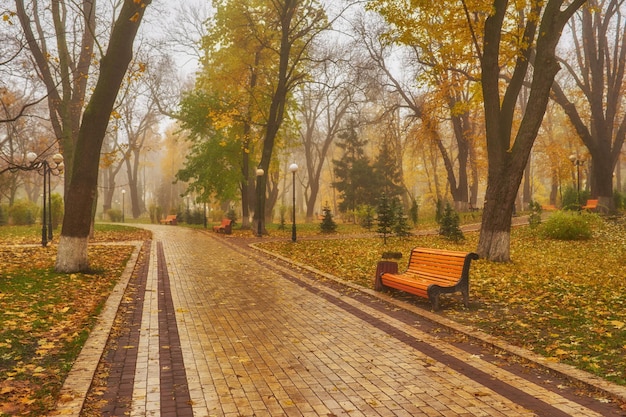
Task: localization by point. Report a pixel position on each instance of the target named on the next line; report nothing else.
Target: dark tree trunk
(507, 158)
(83, 174)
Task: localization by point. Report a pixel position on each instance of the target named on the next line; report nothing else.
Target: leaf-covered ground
(565, 300)
(46, 317)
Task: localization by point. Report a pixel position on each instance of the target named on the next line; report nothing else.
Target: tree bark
(83, 176)
(508, 159)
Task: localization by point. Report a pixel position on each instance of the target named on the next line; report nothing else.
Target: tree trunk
(83, 175)
(507, 157)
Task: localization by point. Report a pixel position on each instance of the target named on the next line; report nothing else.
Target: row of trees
(459, 89)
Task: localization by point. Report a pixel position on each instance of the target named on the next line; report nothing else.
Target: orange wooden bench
(432, 272)
(225, 227)
(171, 219)
(548, 207)
(590, 205)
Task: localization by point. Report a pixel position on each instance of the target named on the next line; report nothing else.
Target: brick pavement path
(210, 328)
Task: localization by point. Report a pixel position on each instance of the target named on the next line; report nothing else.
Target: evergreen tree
(328, 225)
(387, 175)
(401, 226)
(353, 171)
(385, 217)
(449, 225)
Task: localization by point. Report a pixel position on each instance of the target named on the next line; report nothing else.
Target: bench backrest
(592, 203)
(440, 265)
(226, 222)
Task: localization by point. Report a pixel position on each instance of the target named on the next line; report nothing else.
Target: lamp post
(259, 206)
(293, 168)
(577, 162)
(123, 202)
(47, 168)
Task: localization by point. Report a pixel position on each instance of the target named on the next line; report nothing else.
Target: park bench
(170, 219)
(548, 207)
(430, 272)
(225, 227)
(590, 205)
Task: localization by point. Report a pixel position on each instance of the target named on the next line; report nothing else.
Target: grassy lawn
(565, 300)
(46, 317)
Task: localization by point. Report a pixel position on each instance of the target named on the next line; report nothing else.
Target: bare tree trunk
(82, 191)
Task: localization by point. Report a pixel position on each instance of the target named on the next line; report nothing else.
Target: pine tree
(449, 225)
(385, 217)
(401, 226)
(328, 225)
(353, 171)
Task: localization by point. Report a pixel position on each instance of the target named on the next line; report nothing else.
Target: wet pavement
(209, 327)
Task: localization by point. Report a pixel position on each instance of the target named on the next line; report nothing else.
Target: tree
(83, 172)
(354, 175)
(387, 176)
(298, 23)
(328, 225)
(385, 217)
(597, 70)
(325, 101)
(449, 224)
(540, 28)
(433, 37)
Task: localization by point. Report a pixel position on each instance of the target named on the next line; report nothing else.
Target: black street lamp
(259, 207)
(293, 168)
(577, 162)
(47, 168)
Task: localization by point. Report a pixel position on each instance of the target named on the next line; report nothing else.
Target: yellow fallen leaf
(617, 324)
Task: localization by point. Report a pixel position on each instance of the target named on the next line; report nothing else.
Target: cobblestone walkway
(223, 331)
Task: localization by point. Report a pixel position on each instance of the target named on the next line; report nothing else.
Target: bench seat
(171, 219)
(432, 272)
(225, 227)
(590, 205)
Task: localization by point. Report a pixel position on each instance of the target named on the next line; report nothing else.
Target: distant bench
(225, 227)
(171, 219)
(590, 205)
(430, 272)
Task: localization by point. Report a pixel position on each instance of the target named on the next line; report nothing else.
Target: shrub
(449, 224)
(328, 225)
(282, 217)
(115, 215)
(534, 219)
(365, 216)
(23, 212)
(568, 226)
(572, 200)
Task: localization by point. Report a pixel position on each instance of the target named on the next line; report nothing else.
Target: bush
(328, 225)
(115, 215)
(23, 212)
(571, 200)
(568, 226)
(449, 224)
(534, 219)
(365, 216)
